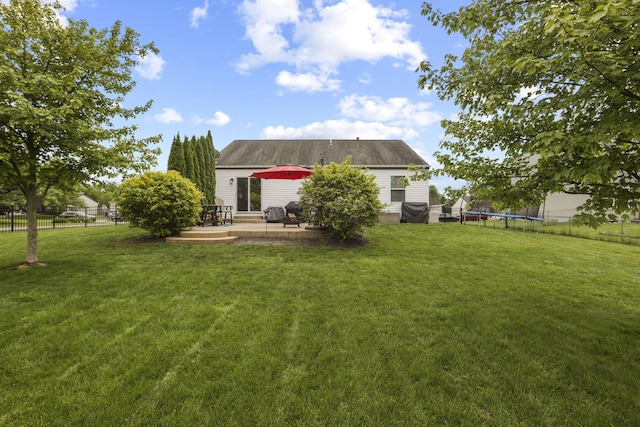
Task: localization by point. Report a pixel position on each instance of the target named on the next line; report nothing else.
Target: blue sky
(270, 69)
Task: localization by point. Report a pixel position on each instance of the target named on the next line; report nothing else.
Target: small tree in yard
(161, 203)
(343, 197)
(62, 90)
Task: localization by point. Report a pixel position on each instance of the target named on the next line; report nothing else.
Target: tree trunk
(32, 228)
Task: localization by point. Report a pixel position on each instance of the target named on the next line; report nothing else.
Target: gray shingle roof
(306, 152)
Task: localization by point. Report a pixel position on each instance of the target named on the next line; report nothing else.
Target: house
(470, 203)
(557, 207)
(562, 206)
(387, 160)
(88, 202)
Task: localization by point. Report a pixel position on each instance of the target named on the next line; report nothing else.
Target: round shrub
(162, 203)
(342, 197)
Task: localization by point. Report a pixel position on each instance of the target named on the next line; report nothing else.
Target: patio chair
(209, 213)
(224, 212)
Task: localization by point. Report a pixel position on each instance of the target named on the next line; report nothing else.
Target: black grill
(294, 208)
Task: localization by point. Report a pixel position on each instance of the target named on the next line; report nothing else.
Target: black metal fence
(53, 217)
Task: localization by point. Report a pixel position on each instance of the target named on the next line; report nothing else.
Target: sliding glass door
(249, 195)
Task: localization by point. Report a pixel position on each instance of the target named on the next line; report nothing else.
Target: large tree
(549, 93)
(176, 160)
(195, 159)
(62, 88)
(102, 192)
(189, 158)
(209, 168)
(197, 165)
(435, 198)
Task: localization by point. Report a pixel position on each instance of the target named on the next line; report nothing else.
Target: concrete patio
(226, 233)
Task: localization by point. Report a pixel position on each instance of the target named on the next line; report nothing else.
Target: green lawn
(439, 324)
(625, 232)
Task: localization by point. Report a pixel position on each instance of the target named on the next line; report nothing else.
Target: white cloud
(169, 115)
(339, 129)
(317, 40)
(69, 5)
(219, 119)
(396, 111)
(530, 93)
(265, 20)
(442, 182)
(357, 30)
(150, 66)
(425, 92)
(367, 117)
(307, 82)
(198, 14)
(365, 78)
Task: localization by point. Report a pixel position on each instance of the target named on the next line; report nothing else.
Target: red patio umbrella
(291, 172)
(283, 172)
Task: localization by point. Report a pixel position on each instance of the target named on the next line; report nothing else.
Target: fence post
(12, 218)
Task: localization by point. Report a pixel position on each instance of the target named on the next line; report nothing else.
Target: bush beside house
(343, 197)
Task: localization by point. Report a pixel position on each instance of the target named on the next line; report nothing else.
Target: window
(398, 183)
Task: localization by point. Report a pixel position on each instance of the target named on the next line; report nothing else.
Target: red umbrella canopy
(283, 172)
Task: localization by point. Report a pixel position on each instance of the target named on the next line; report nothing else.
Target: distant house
(88, 202)
(561, 207)
(387, 160)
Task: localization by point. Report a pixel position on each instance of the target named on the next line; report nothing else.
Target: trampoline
(530, 221)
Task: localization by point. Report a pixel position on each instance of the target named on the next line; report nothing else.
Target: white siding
(459, 206)
(224, 190)
(416, 191)
(89, 203)
(277, 192)
(562, 206)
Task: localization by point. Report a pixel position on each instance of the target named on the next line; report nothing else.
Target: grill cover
(274, 214)
(414, 212)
